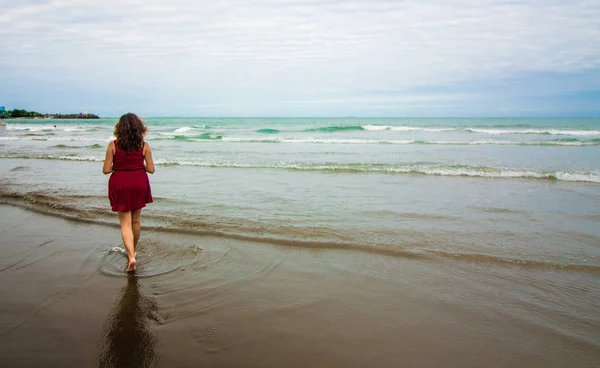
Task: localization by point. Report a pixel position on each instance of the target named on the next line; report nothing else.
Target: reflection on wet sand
(127, 340)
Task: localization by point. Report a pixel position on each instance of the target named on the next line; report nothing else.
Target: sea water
(516, 190)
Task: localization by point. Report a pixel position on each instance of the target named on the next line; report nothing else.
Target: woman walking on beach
(129, 158)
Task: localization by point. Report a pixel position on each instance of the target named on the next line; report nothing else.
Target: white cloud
(275, 51)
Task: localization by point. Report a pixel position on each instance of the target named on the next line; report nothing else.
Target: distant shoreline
(24, 114)
(52, 116)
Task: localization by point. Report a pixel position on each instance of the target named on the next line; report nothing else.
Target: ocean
(522, 191)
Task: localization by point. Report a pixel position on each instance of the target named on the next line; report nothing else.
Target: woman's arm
(148, 158)
(108, 160)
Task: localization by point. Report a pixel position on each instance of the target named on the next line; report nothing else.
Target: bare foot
(132, 265)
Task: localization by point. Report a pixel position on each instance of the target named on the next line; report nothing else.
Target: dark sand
(64, 302)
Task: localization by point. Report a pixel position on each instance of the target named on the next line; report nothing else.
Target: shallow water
(523, 191)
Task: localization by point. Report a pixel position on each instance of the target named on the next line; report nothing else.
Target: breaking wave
(415, 168)
(534, 131)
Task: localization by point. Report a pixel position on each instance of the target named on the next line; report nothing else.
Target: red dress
(128, 186)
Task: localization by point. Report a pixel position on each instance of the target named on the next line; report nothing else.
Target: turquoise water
(503, 190)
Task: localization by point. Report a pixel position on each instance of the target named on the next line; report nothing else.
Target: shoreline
(37, 204)
(66, 117)
(231, 303)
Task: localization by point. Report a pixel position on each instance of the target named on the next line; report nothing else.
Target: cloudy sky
(302, 58)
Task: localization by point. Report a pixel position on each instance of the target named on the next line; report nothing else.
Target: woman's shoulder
(112, 147)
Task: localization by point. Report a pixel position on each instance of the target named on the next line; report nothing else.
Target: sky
(302, 58)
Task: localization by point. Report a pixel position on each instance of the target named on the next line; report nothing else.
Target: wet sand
(218, 302)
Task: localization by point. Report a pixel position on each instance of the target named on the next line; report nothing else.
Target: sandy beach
(218, 302)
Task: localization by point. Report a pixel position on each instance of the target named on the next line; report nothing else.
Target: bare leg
(127, 235)
(136, 225)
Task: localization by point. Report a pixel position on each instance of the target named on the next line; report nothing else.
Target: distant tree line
(17, 113)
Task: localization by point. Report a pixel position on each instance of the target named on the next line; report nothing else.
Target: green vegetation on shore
(17, 113)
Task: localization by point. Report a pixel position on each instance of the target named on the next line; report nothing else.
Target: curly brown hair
(130, 132)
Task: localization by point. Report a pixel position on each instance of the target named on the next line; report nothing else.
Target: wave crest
(415, 168)
(336, 128)
(534, 131)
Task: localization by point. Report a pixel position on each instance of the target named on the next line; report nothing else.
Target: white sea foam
(312, 140)
(35, 128)
(180, 132)
(330, 141)
(593, 178)
(425, 169)
(193, 136)
(117, 250)
(82, 158)
(252, 140)
(79, 129)
(535, 131)
(183, 129)
(56, 138)
(513, 143)
(376, 127)
(12, 127)
(55, 157)
(42, 129)
(405, 128)
(422, 129)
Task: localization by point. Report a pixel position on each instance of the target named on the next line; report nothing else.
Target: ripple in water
(153, 259)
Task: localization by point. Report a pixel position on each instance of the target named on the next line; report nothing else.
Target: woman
(129, 158)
